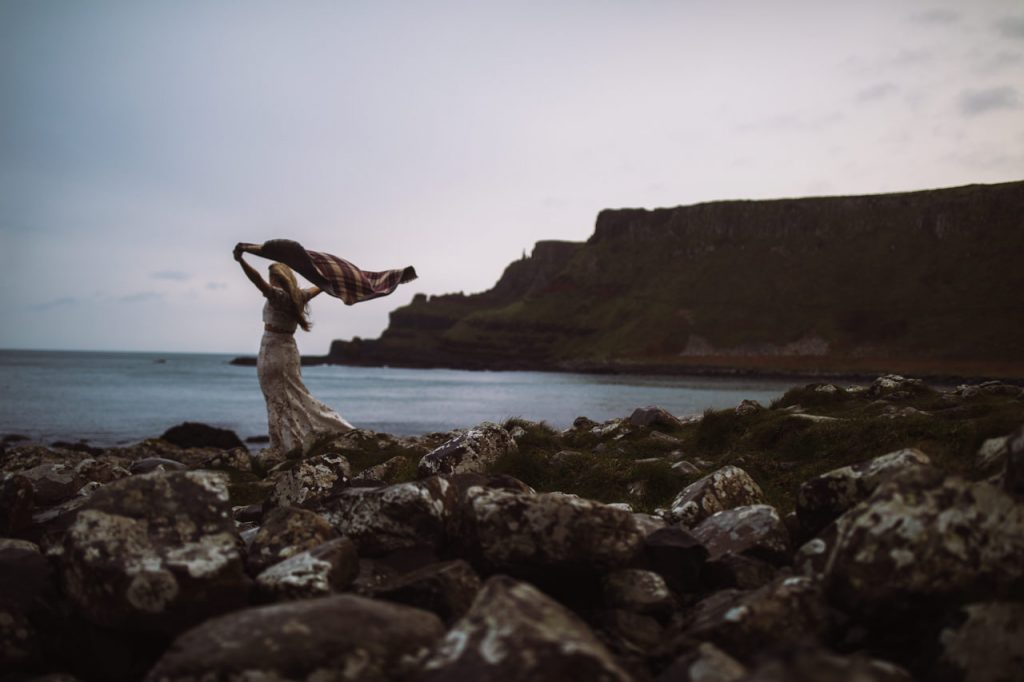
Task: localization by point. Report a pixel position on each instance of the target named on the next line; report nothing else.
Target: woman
(295, 417)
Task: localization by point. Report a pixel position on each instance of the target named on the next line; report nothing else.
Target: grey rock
(155, 552)
(723, 489)
(471, 452)
(148, 465)
(820, 500)
(756, 530)
(988, 646)
(381, 520)
(340, 637)
(311, 481)
(385, 471)
(510, 530)
(286, 531)
(317, 572)
(749, 407)
(686, 468)
(515, 632)
(917, 538)
(638, 591)
(654, 416)
(746, 623)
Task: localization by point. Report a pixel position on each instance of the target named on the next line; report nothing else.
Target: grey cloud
(974, 102)
(140, 297)
(55, 303)
(984, 63)
(876, 92)
(176, 275)
(936, 17)
(1011, 27)
(214, 286)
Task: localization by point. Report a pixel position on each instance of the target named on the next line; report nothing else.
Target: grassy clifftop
(924, 282)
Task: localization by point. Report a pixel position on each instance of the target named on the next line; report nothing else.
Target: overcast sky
(140, 140)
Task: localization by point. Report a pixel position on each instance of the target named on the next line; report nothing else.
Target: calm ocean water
(118, 398)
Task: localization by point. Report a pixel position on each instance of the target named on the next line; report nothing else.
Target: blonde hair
(300, 309)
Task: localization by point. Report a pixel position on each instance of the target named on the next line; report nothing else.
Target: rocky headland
(925, 283)
(862, 533)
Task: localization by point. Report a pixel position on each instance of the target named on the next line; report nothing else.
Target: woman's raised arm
(249, 270)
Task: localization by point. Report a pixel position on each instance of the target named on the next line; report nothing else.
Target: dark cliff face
(924, 279)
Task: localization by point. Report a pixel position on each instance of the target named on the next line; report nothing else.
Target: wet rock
(786, 611)
(405, 515)
(676, 555)
(723, 489)
(916, 540)
(705, 663)
(515, 632)
(447, 589)
(654, 416)
(638, 591)
(286, 531)
(518, 531)
(756, 530)
(987, 646)
(330, 638)
(311, 481)
(813, 664)
(317, 572)
(155, 552)
(471, 452)
(196, 435)
(823, 498)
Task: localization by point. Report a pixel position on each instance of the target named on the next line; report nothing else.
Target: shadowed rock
(197, 435)
(988, 645)
(331, 638)
(155, 552)
(515, 632)
(286, 531)
(705, 663)
(447, 589)
(756, 530)
(311, 481)
(820, 500)
(322, 570)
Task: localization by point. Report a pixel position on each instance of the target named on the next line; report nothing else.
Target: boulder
(447, 589)
(311, 481)
(654, 416)
(317, 572)
(822, 499)
(725, 488)
(401, 516)
(738, 570)
(638, 591)
(919, 540)
(15, 505)
(385, 471)
(704, 663)
(514, 632)
(330, 638)
(27, 590)
(786, 611)
(514, 531)
(53, 482)
(987, 645)
(749, 407)
(755, 530)
(286, 531)
(155, 552)
(196, 435)
(470, 452)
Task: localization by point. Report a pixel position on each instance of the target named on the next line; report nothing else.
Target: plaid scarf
(336, 276)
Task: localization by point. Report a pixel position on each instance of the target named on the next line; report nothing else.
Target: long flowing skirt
(294, 416)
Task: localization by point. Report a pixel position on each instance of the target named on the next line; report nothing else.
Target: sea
(108, 398)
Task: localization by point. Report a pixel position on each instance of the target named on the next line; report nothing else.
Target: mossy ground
(780, 446)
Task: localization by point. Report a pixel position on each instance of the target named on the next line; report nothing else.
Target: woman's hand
(239, 250)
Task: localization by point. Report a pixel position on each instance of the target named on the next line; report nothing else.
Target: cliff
(924, 282)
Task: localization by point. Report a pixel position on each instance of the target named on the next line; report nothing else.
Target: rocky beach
(867, 532)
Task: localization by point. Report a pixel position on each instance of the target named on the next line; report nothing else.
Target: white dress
(294, 416)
